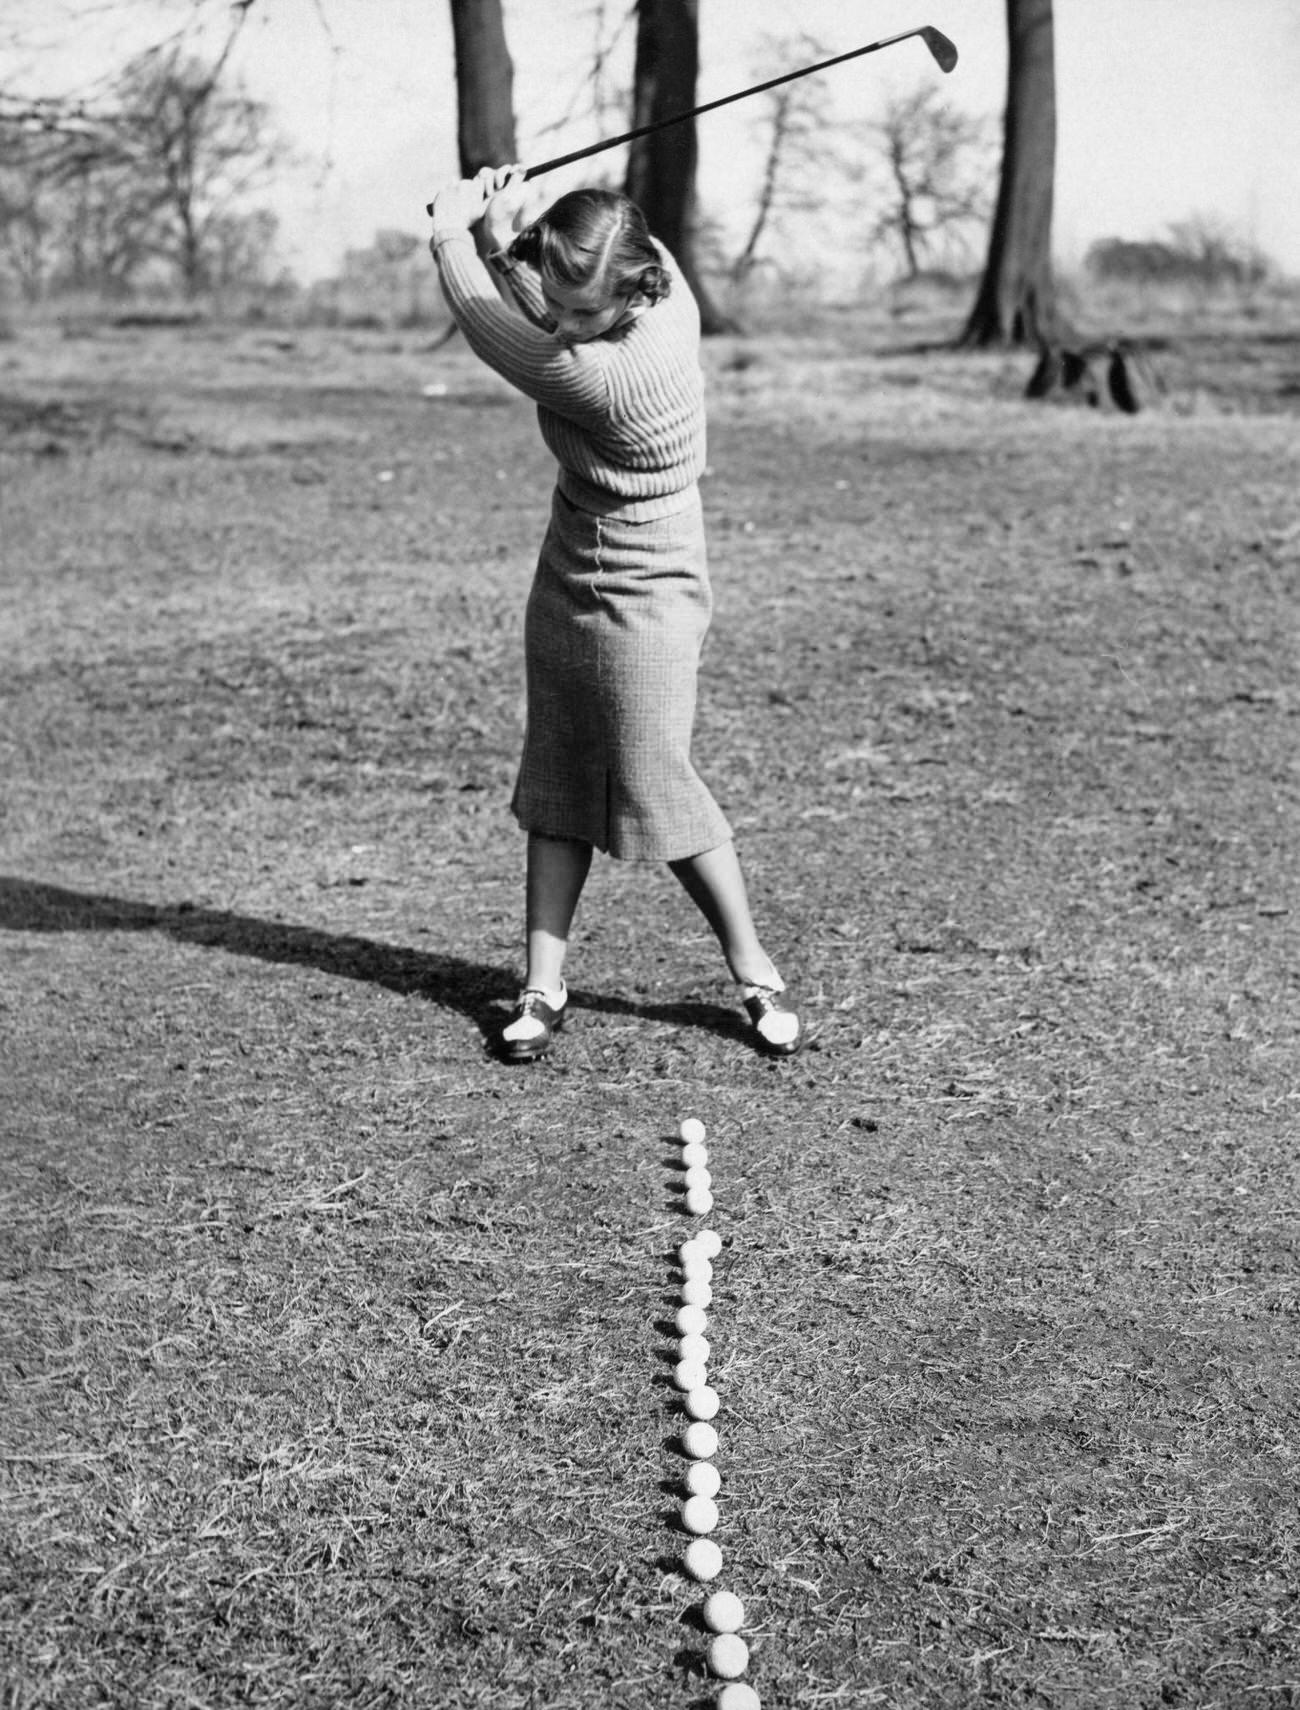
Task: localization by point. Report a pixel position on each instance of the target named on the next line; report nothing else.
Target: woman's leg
(557, 871)
(716, 885)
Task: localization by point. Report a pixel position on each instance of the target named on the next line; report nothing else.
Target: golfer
(594, 322)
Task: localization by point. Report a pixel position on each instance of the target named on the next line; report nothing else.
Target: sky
(1166, 109)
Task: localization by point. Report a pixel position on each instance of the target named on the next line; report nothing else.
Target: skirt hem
(623, 853)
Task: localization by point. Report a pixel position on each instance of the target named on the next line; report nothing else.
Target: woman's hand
(504, 215)
(460, 204)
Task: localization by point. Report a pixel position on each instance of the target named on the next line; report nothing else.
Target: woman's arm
(503, 219)
(524, 287)
(569, 380)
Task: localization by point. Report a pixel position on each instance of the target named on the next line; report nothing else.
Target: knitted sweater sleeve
(525, 287)
(570, 380)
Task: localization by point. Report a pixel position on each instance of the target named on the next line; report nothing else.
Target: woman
(599, 328)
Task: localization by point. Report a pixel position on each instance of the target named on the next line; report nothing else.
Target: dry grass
(335, 1355)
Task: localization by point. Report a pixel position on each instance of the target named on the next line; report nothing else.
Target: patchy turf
(335, 1355)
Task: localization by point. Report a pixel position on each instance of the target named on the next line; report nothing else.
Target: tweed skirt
(612, 634)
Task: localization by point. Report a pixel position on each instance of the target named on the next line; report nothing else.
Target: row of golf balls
(724, 1613)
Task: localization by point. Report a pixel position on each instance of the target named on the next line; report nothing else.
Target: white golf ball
(690, 1320)
(737, 1695)
(723, 1610)
(696, 1292)
(702, 1559)
(692, 1130)
(702, 1402)
(690, 1374)
(709, 1243)
(690, 1249)
(728, 1656)
(699, 1514)
(699, 1201)
(700, 1440)
(696, 1265)
(702, 1478)
(694, 1347)
(693, 1157)
(697, 1177)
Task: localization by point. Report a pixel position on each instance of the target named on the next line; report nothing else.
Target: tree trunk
(1016, 304)
(485, 78)
(661, 168)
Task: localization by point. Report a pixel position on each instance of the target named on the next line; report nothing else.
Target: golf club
(945, 56)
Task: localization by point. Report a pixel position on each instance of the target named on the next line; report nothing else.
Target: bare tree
(661, 167)
(936, 166)
(1016, 302)
(38, 137)
(24, 234)
(198, 149)
(105, 225)
(241, 248)
(795, 156)
(601, 95)
(154, 172)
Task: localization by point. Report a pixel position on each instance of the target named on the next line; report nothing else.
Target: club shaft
(708, 106)
(939, 45)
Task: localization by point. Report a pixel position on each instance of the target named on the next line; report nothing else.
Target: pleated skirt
(613, 629)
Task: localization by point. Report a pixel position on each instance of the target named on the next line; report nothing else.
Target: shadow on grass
(476, 990)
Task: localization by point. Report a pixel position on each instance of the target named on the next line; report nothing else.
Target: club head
(945, 54)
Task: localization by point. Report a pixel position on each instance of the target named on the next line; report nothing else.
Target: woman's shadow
(477, 990)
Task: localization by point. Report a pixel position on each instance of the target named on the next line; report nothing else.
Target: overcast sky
(1166, 108)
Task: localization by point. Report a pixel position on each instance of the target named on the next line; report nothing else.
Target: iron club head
(945, 54)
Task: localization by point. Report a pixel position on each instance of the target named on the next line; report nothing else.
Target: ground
(335, 1354)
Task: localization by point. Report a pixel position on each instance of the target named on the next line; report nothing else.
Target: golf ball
(701, 1402)
(723, 1611)
(692, 1130)
(709, 1243)
(697, 1177)
(728, 1656)
(700, 1440)
(699, 1514)
(690, 1320)
(702, 1559)
(696, 1292)
(690, 1374)
(738, 1695)
(696, 1265)
(694, 1157)
(702, 1478)
(699, 1201)
(693, 1346)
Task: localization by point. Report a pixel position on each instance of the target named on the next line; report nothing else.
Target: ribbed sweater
(623, 414)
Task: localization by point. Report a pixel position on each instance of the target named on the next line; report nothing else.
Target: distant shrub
(1197, 252)
(160, 316)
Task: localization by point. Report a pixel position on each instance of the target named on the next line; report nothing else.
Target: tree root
(1102, 376)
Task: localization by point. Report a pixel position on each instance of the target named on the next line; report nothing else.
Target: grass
(335, 1355)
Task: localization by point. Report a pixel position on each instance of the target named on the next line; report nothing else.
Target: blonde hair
(595, 237)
